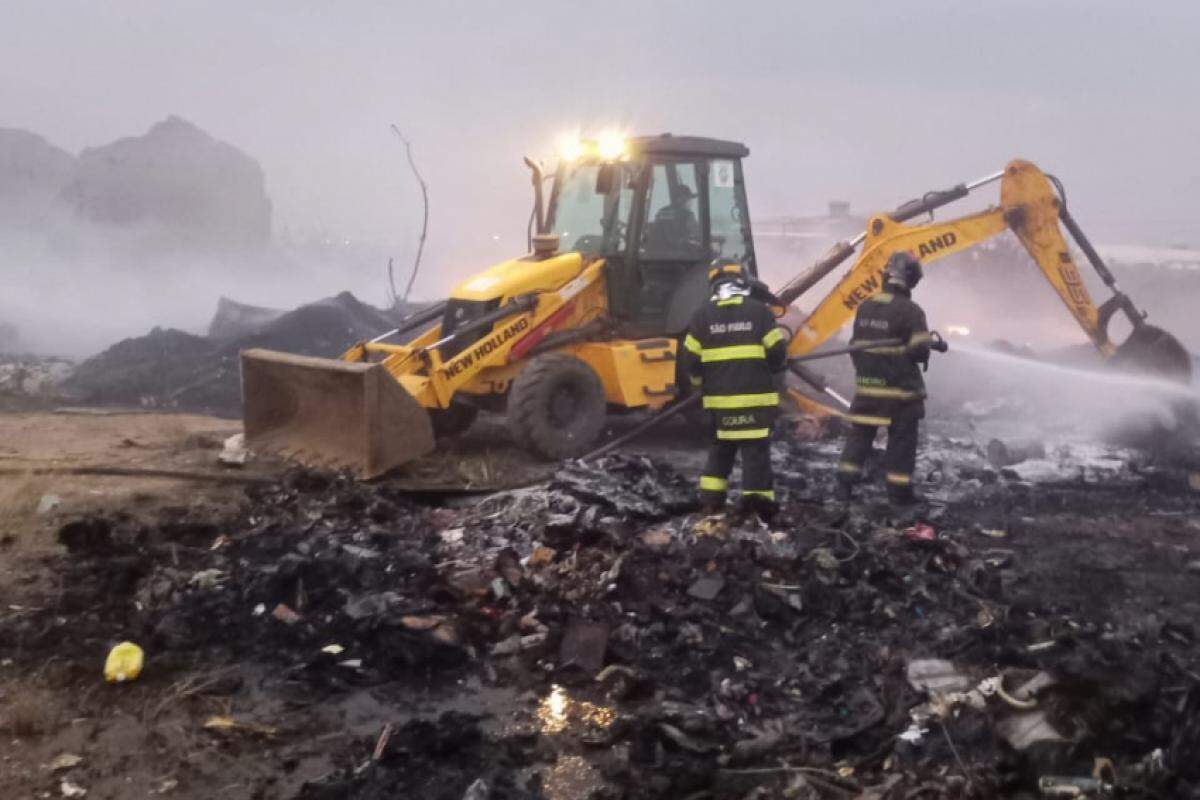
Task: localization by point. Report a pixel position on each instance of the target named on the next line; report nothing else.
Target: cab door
(692, 211)
(668, 246)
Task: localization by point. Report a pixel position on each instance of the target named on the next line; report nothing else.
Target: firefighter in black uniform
(889, 391)
(732, 353)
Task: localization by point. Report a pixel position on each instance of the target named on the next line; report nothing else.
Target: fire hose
(795, 365)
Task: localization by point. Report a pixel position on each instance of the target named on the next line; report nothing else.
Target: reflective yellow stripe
(732, 301)
(733, 352)
(741, 400)
(884, 391)
(862, 419)
(883, 297)
(774, 336)
(920, 337)
(767, 493)
(710, 484)
(896, 350)
(749, 433)
(899, 478)
(849, 467)
(696, 380)
(692, 345)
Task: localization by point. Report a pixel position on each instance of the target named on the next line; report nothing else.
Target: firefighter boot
(765, 508)
(903, 497)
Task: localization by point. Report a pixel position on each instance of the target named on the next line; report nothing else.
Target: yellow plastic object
(124, 663)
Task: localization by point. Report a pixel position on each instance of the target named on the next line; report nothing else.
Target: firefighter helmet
(904, 270)
(725, 269)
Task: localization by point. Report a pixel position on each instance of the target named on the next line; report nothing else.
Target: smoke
(150, 231)
(95, 287)
(1010, 393)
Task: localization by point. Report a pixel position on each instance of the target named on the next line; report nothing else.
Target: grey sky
(871, 102)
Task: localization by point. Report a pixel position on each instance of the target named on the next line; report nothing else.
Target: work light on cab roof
(606, 146)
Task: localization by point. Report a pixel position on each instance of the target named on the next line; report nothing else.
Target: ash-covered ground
(594, 636)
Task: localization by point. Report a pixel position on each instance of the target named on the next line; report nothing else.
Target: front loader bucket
(329, 413)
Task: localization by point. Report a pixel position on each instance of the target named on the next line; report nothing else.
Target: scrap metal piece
(1023, 730)
(1068, 787)
(584, 645)
(935, 675)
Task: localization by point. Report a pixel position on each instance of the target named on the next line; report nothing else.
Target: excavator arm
(1032, 206)
(865, 278)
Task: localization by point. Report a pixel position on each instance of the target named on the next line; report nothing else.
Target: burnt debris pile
(171, 369)
(30, 376)
(1036, 642)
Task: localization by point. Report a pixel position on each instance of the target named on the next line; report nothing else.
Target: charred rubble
(175, 370)
(30, 376)
(668, 655)
(172, 369)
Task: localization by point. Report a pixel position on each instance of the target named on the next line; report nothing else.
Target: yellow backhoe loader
(590, 320)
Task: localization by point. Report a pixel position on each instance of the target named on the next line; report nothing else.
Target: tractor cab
(658, 209)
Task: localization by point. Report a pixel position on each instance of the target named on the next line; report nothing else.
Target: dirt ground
(56, 464)
(237, 718)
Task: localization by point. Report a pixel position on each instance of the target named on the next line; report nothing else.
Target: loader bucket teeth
(1150, 349)
(331, 414)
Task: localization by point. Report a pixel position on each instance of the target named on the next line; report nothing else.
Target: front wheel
(556, 406)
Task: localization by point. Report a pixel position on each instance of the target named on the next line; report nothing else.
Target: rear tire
(453, 420)
(556, 406)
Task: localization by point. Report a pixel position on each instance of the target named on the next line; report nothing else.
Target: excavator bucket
(333, 414)
(1151, 350)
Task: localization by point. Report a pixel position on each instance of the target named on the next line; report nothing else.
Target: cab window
(591, 208)
(726, 211)
(672, 229)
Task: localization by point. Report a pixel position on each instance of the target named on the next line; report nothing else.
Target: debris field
(596, 637)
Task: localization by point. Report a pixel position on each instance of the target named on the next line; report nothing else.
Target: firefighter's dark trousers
(902, 419)
(758, 480)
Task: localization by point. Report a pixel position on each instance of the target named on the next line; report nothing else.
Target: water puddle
(559, 712)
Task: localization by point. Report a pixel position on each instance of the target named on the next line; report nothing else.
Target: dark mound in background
(234, 319)
(139, 371)
(178, 370)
